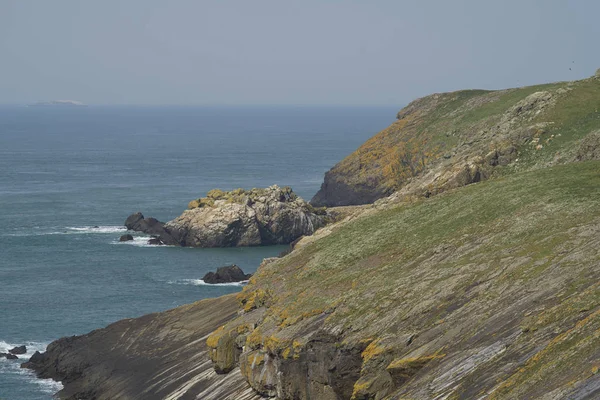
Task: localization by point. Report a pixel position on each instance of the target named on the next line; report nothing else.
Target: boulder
(126, 238)
(18, 350)
(226, 274)
(11, 357)
(246, 218)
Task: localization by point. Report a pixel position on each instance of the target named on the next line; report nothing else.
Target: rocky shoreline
(156, 356)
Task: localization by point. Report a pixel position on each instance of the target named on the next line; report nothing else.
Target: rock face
(157, 356)
(226, 274)
(436, 138)
(246, 218)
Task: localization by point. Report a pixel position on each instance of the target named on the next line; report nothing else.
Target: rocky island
(240, 217)
(472, 272)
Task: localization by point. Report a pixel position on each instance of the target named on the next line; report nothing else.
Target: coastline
(157, 356)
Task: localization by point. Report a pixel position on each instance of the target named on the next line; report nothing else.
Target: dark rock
(11, 357)
(18, 350)
(337, 191)
(155, 241)
(152, 226)
(36, 359)
(132, 222)
(123, 360)
(126, 238)
(96, 227)
(226, 274)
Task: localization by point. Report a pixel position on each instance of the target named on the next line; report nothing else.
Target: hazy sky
(288, 52)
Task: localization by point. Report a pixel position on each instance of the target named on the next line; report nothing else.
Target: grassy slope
(517, 256)
(463, 122)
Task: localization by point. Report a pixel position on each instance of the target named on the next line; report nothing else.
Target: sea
(70, 176)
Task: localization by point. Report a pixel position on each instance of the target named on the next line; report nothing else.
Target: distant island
(66, 103)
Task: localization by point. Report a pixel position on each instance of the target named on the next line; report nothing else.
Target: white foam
(74, 230)
(200, 282)
(138, 241)
(96, 229)
(32, 347)
(14, 366)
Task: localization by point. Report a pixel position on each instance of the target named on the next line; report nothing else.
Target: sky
(309, 52)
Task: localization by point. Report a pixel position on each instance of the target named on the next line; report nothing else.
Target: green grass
(526, 215)
(461, 269)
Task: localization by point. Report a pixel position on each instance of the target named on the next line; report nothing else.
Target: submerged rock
(11, 356)
(226, 274)
(126, 238)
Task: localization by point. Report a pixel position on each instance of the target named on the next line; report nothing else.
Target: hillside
(490, 291)
(448, 140)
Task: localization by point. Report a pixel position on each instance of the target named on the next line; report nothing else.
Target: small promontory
(255, 217)
(448, 140)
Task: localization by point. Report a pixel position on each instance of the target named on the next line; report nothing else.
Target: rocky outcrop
(446, 131)
(226, 274)
(152, 226)
(18, 350)
(589, 149)
(157, 356)
(237, 218)
(246, 218)
(336, 190)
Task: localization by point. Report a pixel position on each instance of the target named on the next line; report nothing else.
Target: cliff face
(448, 140)
(157, 356)
(489, 291)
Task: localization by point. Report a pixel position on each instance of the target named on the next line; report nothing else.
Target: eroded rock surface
(157, 356)
(246, 218)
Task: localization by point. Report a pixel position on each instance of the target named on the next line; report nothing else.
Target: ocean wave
(96, 229)
(200, 282)
(73, 230)
(48, 386)
(138, 241)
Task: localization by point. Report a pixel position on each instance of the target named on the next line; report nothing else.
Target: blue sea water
(70, 176)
